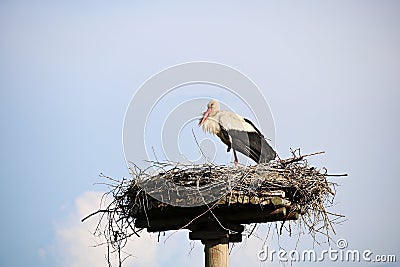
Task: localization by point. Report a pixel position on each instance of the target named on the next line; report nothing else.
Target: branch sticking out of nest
(150, 197)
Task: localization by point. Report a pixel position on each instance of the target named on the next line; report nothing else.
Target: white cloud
(74, 242)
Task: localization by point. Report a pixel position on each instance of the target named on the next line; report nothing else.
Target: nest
(288, 189)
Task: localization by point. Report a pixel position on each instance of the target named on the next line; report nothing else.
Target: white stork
(237, 133)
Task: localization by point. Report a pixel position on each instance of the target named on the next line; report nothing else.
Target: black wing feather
(225, 138)
(252, 144)
(252, 124)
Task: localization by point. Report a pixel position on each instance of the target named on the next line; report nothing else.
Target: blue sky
(330, 72)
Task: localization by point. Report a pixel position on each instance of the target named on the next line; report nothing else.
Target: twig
(198, 145)
(92, 214)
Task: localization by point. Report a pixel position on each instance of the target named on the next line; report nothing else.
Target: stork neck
(211, 124)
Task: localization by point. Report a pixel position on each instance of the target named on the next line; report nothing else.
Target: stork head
(213, 107)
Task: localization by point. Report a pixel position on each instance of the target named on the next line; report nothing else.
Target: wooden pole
(216, 252)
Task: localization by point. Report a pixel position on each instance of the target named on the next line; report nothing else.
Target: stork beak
(205, 116)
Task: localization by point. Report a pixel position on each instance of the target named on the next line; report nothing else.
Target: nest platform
(176, 196)
(216, 202)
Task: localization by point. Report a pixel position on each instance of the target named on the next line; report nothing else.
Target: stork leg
(235, 156)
